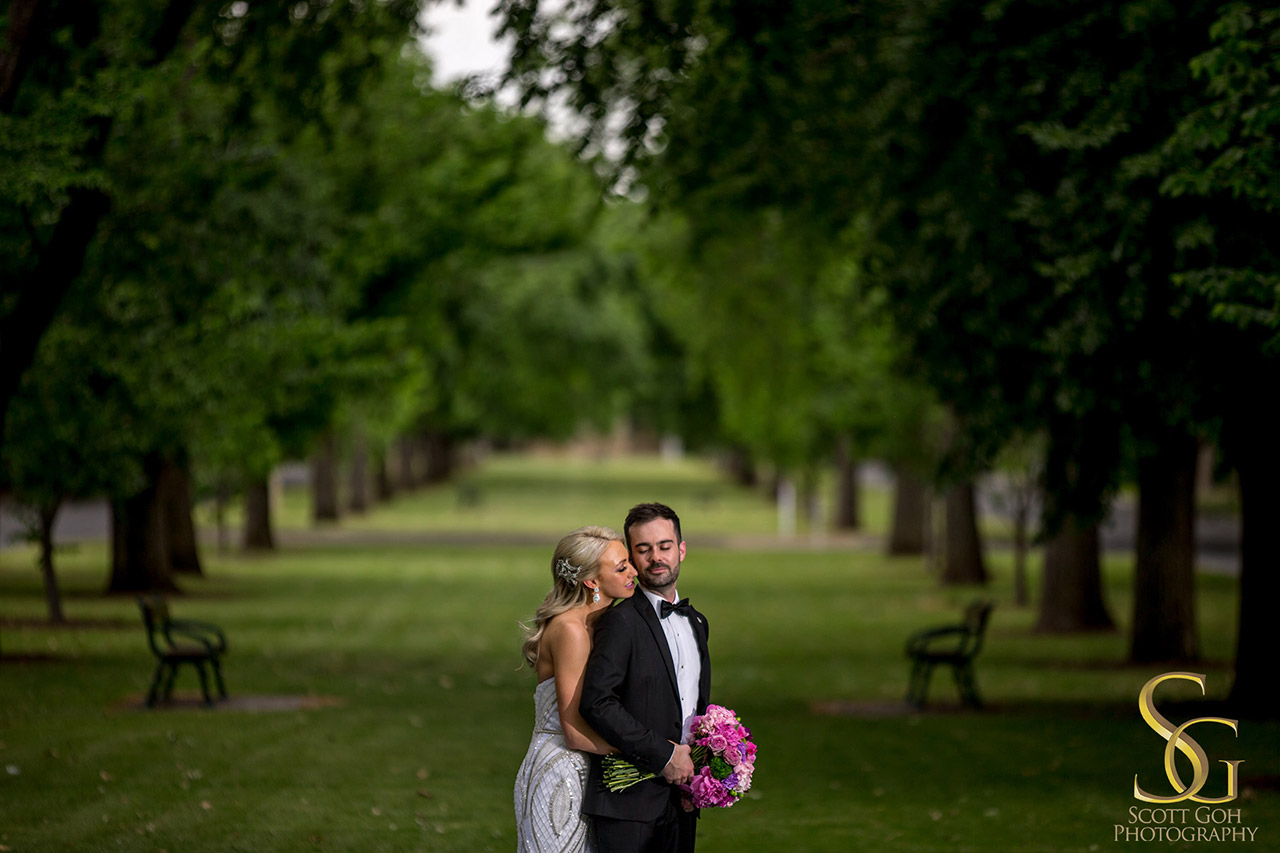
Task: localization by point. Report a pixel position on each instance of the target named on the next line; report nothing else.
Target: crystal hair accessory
(568, 571)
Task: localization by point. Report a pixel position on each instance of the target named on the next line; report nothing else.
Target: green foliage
(66, 437)
(1224, 152)
(741, 125)
(206, 125)
(994, 169)
(480, 233)
(303, 234)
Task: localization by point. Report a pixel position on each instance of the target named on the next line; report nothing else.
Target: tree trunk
(1164, 617)
(438, 449)
(140, 551)
(846, 510)
(1071, 593)
(174, 485)
(962, 563)
(39, 293)
(1021, 596)
(358, 474)
(910, 514)
(383, 488)
(257, 516)
(1257, 457)
(741, 468)
(810, 500)
(324, 480)
(407, 469)
(52, 594)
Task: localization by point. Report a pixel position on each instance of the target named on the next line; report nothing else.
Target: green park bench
(198, 644)
(952, 645)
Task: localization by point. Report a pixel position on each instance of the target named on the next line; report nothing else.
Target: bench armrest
(208, 635)
(921, 640)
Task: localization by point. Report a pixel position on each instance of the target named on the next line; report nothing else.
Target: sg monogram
(1178, 739)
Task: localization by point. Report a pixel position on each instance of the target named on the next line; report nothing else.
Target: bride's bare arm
(569, 645)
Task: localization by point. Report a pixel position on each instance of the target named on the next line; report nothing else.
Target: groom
(648, 673)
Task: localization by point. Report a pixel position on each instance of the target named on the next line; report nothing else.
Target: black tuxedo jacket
(629, 696)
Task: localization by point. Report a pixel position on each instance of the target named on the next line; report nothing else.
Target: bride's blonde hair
(577, 559)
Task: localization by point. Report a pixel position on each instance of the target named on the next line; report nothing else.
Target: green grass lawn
(416, 647)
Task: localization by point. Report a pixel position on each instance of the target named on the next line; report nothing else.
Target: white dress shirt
(684, 654)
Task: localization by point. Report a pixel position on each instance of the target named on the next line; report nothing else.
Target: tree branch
(26, 34)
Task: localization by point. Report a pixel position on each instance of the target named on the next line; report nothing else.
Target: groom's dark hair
(642, 513)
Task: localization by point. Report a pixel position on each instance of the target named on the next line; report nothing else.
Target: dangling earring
(595, 596)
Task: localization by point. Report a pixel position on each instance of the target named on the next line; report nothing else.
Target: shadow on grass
(884, 709)
(25, 657)
(249, 703)
(1067, 708)
(73, 624)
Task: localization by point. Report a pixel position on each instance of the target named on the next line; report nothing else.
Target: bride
(590, 568)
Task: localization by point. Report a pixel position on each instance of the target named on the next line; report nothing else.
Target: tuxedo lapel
(651, 621)
(701, 631)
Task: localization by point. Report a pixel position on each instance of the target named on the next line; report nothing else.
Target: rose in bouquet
(724, 759)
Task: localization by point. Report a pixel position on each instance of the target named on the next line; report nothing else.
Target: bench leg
(918, 688)
(168, 685)
(968, 687)
(155, 684)
(204, 683)
(217, 677)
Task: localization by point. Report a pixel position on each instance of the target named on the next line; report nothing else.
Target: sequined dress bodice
(548, 790)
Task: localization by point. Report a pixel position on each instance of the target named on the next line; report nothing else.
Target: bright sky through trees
(460, 40)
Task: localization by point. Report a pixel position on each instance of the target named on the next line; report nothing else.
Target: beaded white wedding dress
(549, 786)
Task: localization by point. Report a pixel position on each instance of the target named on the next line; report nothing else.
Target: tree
(482, 235)
(70, 72)
(59, 445)
(57, 73)
(1222, 155)
(1017, 493)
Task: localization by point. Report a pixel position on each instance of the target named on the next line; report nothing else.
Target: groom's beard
(664, 581)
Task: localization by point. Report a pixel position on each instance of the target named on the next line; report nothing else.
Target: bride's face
(617, 577)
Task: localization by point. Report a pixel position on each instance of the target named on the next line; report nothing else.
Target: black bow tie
(666, 608)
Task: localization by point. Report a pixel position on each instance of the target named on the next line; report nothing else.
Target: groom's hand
(679, 769)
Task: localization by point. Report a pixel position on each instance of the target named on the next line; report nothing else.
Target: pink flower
(733, 754)
(718, 743)
(706, 790)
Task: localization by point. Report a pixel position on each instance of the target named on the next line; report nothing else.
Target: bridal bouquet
(723, 760)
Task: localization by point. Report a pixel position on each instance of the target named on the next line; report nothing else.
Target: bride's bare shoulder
(568, 628)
